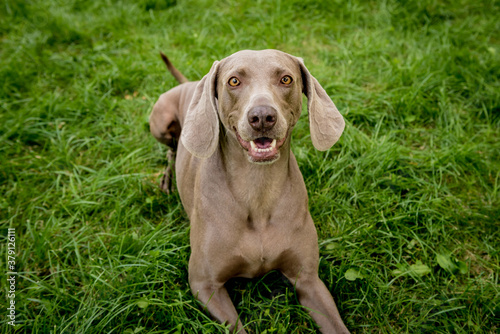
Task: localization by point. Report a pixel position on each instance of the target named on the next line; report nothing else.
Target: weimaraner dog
(240, 183)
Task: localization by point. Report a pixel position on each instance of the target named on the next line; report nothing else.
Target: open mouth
(262, 149)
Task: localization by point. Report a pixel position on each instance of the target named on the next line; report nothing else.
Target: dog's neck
(257, 187)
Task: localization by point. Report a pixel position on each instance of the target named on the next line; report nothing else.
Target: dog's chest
(261, 250)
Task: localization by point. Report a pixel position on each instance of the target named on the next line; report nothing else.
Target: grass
(406, 204)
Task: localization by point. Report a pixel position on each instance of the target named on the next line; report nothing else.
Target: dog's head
(257, 96)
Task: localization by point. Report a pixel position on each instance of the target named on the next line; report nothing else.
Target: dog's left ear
(325, 122)
(200, 131)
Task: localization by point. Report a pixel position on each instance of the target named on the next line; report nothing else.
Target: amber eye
(286, 80)
(234, 82)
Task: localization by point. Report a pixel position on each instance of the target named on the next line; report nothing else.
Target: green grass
(407, 201)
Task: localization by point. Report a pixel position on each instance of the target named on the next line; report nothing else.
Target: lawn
(406, 204)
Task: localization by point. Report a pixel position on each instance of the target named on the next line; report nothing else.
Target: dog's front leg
(216, 300)
(314, 295)
(207, 284)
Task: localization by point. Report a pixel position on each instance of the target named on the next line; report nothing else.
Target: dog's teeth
(252, 144)
(254, 147)
(263, 150)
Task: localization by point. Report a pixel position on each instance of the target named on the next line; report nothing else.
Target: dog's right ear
(200, 131)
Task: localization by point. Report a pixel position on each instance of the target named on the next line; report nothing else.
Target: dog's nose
(262, 118)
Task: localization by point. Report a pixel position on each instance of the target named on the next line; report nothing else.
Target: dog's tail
(175, 72)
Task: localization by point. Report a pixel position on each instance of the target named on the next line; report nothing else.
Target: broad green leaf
(420, 269)
(332, 245)
(462, 267)
(402, 269)
(353, 274)
(142, 303)
(410, 118)
(446, 263)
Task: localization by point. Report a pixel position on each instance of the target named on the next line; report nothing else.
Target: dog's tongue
(263, 142)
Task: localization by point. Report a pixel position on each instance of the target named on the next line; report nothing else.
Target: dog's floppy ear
(325, 122)
(200, 131)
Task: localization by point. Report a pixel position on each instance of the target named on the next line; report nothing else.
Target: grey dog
(240, 183)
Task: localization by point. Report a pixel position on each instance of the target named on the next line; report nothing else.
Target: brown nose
(262, 118)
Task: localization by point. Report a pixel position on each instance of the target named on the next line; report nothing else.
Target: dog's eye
(234, 82)
(286, 80)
